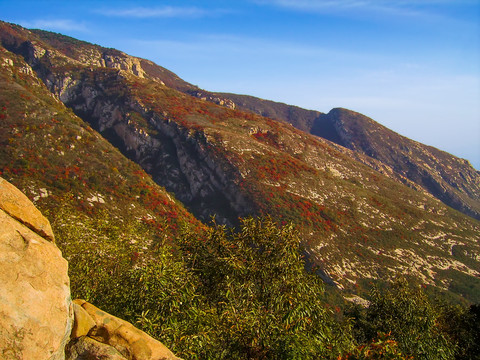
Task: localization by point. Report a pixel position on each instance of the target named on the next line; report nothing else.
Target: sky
(411, 65)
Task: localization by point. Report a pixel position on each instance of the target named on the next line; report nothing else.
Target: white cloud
(160, 12)
(313, 5)
(55, 24)
(353, 4)
(254, 49)
(387, 7)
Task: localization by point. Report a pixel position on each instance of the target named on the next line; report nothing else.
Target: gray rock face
(177, 158)
(452, 180)
(35, 307)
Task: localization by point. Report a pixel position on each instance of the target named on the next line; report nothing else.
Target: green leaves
(267, 304)
(245, 294)
(410, 319)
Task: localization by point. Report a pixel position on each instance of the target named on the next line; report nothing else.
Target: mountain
(361, 219)
(450, 179)
(300, 118)
(69, 170)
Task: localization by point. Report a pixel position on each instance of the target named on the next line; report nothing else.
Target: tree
(268, 304)
(462, 326)
(411, 319)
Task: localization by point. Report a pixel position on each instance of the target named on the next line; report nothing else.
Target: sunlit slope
(357, 223)
(67, 168)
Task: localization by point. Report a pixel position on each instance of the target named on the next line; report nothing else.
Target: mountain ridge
(448, 190)
(358, 219)
(461, 195)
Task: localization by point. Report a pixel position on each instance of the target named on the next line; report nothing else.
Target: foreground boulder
(86, 348)
(38, 320)
(121, 336)
(35, 307)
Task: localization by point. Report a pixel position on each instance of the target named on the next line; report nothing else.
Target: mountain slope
(67, 168)
(450, 179)
(357, 224)
(300, 118)
(433, 170)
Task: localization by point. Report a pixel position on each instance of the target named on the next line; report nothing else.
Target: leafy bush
(222, 294)
(267, 304)
(383, 348)
(462, 326)
(125, 268)
(410, 318)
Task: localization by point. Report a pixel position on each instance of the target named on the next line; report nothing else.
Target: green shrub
(382, 348)
(411, 319)
(267, 304)
(462, 326)
(123, 268)
(245, 294)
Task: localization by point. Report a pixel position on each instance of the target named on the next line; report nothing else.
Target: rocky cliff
(178, 158)
(37, 317)
(450, 179)
(98, 87)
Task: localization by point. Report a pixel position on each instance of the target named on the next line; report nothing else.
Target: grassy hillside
(450, 179)
(75, 176)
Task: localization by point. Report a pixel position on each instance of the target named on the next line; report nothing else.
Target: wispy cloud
(55, 24)
(160, 12)
(391, 7)
(226, 45)
(353, 4)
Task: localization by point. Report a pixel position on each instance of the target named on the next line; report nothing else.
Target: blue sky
(412, 65)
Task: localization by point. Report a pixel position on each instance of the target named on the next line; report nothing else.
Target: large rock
(37, 317)
(83, 322)
(131, 342)
(35, 306)
(85, 348)
(18, 206)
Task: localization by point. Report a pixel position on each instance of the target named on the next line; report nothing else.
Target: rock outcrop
(107, 334)
(178, 159)
(15, 204)
(38, 320)
(96, 87)
(35, 306)
(85, 348)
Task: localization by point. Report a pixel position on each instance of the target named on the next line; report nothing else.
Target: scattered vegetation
(245, 294)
